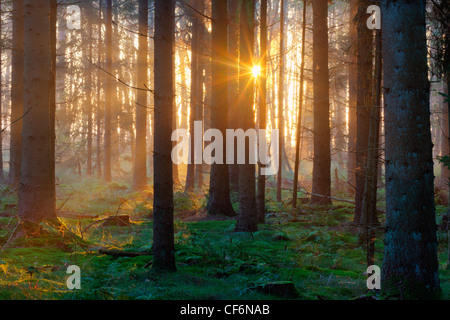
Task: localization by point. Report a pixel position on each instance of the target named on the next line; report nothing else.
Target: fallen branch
(76, 215)
(328, 197)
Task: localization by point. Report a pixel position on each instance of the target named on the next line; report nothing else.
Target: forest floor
(309, 255)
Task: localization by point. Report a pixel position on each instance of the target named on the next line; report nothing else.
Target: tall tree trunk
(2, 176)
(321, 183)
(247, 220)
(108, 87)
(202, 66)
(88, 84)
(369, 205)
(219, 188)
(194, 99)
(352, 98)
(281, 104)
(37, 184)
(163, 229)
(140, 158)
(233, 85)
(300, 109)
(99, 90)
(410, 264)
(364, 101)
(53, 55)
(17, 106)
(261, 190)
(445, 137)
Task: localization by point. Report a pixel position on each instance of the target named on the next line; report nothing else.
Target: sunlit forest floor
(312, 254)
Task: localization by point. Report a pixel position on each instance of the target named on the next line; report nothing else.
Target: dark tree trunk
(261, 190)
(233, 86)
(140, 158)
(37, 184)
(247, 220)
(281, 104)
(369, 205)
(445, 137)
(321, 183)
(410, 264)
(364, 101)
(17, 106)
(219, 188)
(352, 96)
(163, 229)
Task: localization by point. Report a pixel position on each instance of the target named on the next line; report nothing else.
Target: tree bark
(17, 106)
(410, 264)
(364, 101)
(194, 99)
(321, 183)
(300, 109)
(140, 159)
(37, 184)
(352, 99)
(163, 229)
(219, 188)
(233, 76)
(1, 99)
(281, 104)
(99, 90)
(261, 190)
(108, 91)
(247, 219)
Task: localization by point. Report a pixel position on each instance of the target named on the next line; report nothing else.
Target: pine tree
(37, 184)
(163, 229)
(410, 264)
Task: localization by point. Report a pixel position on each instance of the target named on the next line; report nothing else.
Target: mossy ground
(315, 249)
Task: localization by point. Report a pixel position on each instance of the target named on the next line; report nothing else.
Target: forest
(254, 150)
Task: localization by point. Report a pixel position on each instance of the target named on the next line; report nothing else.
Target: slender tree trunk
(364, 101)
(247, 220)
(352, 96)
(90, 16)
(140, 159)
(17, 106)
(219, 188)
(280, 104)
(202, 66)
(194, 99)
(233, 86)
(410, 264)
(261, 190)
(321, 183)
(37, 184)
(369, 204)
(2, 176)
(99, 89)
(108, 87)
(445, 138)
(300, 109)
(163, 229)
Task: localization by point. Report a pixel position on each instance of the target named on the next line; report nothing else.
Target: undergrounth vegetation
(310, 254)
